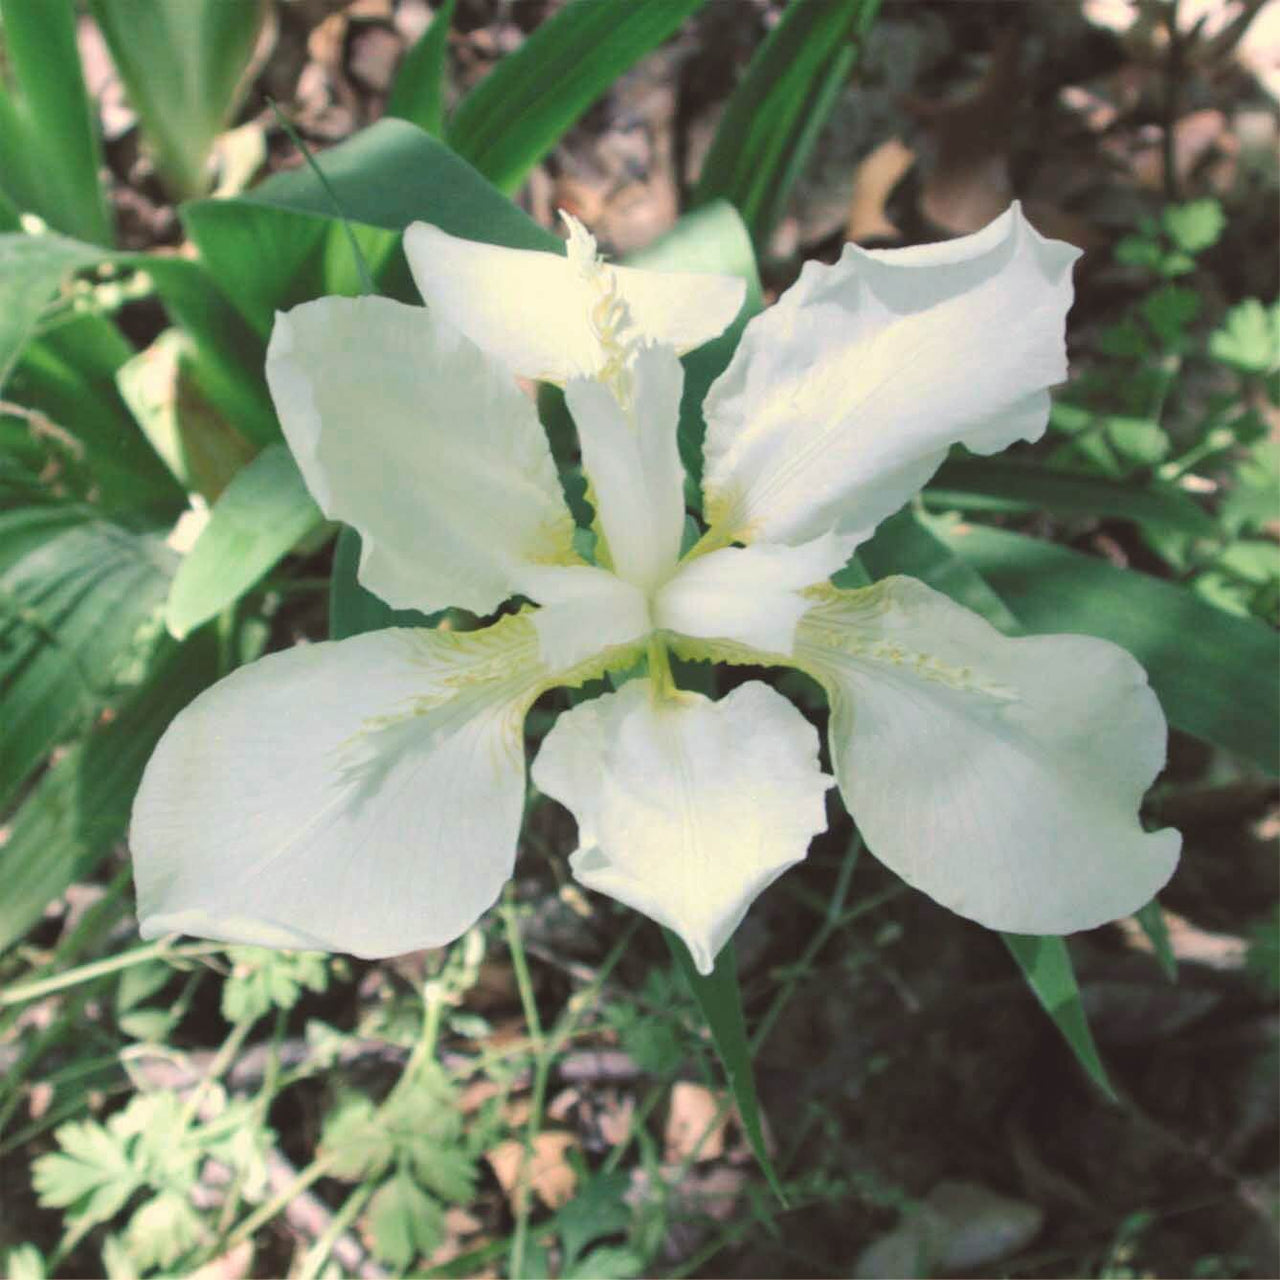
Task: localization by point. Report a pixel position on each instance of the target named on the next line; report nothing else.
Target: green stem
(319, 1252)
(263, 1214)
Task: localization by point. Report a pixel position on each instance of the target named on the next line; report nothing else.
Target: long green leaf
(1216, 675)
(720, 1000)
(72, 610)
(49, 149)
(260, 516)
(80, 808)
(522, 108)
(1046, 965)
(182, 63)
(32, 268)
(776, 112)
(418, 92)
(989, 484)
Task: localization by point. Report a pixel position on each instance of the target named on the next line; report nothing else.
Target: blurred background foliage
(547, 1097)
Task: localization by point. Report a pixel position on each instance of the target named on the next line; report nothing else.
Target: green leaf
(1151, 919)
(75, 609)
(1196, 226)
(989, 484)
(522, 108)
(1046, 965)
(720, 1000)
(775, 114)
(418, 92)
(1169, 310)
(50, 155)
(281, 244)
(712, 239)
(1140, 440)
(354, 610)
(31, 270)
(1215, 675)
(262, 980)
(1249, 337)
(92, 1176)
(80, 807)
(259, 518)
(162, 1230)
(597, 1210)
(183, 70)
(406, 1222)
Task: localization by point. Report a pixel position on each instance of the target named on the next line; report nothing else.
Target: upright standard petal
(1001, 777)
(843, 398)
(553, 318)
(687, 809)
(408, 431)
(631, 457)
(360, 796)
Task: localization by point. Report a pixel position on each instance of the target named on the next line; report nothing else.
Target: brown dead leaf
(873, 183)
(548, 1173)
(235, 1264)
(693, 1112)
(966, 181)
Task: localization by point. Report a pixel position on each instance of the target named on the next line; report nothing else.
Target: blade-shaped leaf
(1046, 965)
(720, 1000)
(80, 807)
(260, 516)
(352, 609)
(989, 484)
(1151, 919)
(182, 64)
(1216, 675)
(73, 608)
(49, 149)
(522, 108)
(418, 92)
(777, 111)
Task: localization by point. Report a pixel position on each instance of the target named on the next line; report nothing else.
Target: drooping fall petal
(1000, 776)
(408, 431)
(555, 317)
(360, 796)
(843, 398)
(687, 809)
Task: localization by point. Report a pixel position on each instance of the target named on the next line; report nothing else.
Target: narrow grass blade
(50, 154)
(182, 63)
(720, 1000)
(1216, 674)
(262, 514)
(522, 108)
(1046, 965)
(418, 92)
(777, 111)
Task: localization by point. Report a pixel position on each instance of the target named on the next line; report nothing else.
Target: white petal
(687, 809)
(630, 455)
(361, 796)
(752, 595)
(407, 431)
(542, 314)
(588, 610)
(1002, 777)
(843, 398)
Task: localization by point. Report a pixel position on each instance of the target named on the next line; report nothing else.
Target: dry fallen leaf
(694, 1111)
(873, 183)
(548, 1173)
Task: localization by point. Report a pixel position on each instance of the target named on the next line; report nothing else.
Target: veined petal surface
(751, 595)
(405, 429)
(1000, 776)
(363, 795)
(843, 398)
(555, 317)
(687, 809)
(631, 457)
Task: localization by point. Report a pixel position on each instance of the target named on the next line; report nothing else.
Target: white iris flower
(366, 795)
